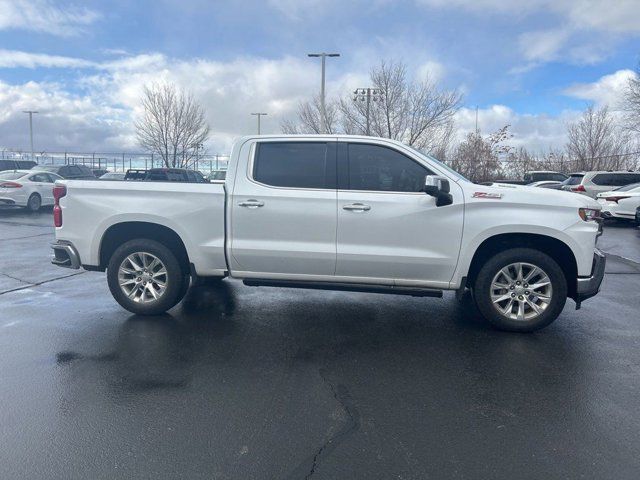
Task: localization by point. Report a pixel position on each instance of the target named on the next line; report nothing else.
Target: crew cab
(336, 212)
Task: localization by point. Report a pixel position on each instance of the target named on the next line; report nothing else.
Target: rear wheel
(521, 290)
(145, 277)
(34, 203)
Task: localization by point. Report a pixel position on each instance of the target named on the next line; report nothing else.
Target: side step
(345, 287)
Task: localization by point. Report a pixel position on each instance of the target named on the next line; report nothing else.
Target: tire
(139, 299)
(519, 307)
(34, 203)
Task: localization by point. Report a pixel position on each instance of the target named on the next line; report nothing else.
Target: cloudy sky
(82, 64)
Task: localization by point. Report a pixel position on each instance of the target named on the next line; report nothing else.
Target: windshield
(11, 175)
(440, 164)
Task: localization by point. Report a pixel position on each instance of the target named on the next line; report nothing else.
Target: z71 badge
(487, 195)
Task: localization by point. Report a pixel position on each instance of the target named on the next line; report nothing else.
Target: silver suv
(592, 183)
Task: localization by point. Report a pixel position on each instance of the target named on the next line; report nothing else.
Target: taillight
(10, 185)
(579, 188)
(615, 198)
(59, 191)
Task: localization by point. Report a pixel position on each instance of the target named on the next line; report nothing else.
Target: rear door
(389, 230)
(283, 211)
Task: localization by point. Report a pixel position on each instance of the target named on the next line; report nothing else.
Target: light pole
(367, 94)
(323, 111)
(258, 115)
(30, 112)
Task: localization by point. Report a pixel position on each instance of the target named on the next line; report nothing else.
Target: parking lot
(240, 382)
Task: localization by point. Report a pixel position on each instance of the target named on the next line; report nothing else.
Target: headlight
(589, 214)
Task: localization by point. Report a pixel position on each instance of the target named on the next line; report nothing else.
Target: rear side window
(295, 164)
(615, 179)
(40, 177)
(378, 168)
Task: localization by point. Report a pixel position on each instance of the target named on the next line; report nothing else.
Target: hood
(534, 195)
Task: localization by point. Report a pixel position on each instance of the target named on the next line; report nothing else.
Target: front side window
(294, 165)
(378, 168)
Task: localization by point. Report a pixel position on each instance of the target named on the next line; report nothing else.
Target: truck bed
(195, 211)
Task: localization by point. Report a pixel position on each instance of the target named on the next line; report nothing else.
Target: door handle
(251, 203)
(357, 207)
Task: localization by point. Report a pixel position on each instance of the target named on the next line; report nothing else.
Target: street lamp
(30, 112)
(323, 112)
(258, 115)
(366, 95)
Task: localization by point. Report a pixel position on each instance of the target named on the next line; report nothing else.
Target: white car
(336, 212)
(620, 203)
(27, 188)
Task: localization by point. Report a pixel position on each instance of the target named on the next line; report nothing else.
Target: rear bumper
(65, 255)
(587, 287)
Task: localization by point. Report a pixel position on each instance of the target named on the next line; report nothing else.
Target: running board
(345, 287)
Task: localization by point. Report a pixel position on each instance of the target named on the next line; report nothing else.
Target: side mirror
(438, 187)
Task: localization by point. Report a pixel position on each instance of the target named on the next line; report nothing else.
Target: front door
(283, 215)
(388, 228)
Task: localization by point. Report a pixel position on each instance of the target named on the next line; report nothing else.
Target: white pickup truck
(336, 212)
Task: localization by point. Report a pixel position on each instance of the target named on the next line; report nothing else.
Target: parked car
(70, 172)
(592, 183)
(98, 172)
(341, 213)
(536, 176)
(217, 175)
(31, 189)
(113, 176)
(637, 216)
(183, 175)
(572, 180)
(544, 175)
(16, 164)
(552, 184)
(621, 202)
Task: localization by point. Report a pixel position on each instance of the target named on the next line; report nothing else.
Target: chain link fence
(118, 161)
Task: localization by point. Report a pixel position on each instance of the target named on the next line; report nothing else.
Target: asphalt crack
(28, 236)
(344, 399)
(30, 285)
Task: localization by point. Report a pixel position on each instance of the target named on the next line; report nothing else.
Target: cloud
(542, 45)
(64, 121)
(607, 90)
(537, 133)
(45, 16)
(16, 58)
(579, 31)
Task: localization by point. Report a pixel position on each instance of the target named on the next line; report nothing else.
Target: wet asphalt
(240, 382)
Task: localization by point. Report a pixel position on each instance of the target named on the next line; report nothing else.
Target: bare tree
(417, 113)
(309, 118)
(173, 125)
(478, 158)
(596, 142)
(631, 102)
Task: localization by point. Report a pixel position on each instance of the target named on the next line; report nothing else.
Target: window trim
(253, 154)
(343, 168)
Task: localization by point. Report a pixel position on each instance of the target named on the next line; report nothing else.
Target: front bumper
(65, 255)
(587, 287)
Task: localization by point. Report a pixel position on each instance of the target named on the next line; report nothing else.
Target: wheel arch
(122, 232)
(555, 248)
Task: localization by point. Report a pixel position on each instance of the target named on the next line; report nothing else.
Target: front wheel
(145, 277)
(520, 290)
